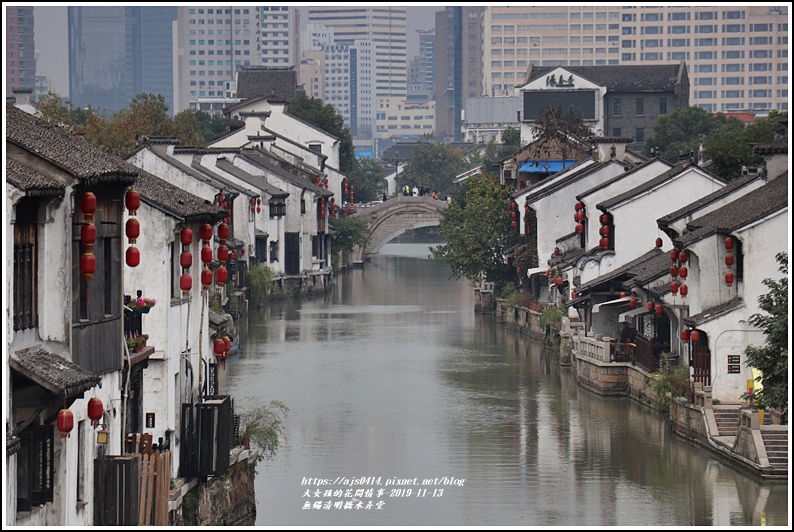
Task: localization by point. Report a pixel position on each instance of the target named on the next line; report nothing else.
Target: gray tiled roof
(171, 199)
(618, 177)
(70, 152)
(255, 81)
(714, 312)
(751, 207)
(280, 167)
(61, 377)
(709, 198)
(650, 184)
(34, 183)
(639, 267)
(625, 78)
(259, 181)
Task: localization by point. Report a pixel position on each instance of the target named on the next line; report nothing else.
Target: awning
(533, 271)
(597, 308)
(625, 316)
(52, 372)
(550, 166)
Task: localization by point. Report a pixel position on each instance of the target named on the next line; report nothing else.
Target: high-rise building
(279, 35)
(736, 56)
(422, 67)
(385, 27)
(458, 65)
(210, 43)
(20, 50)
(117, 52)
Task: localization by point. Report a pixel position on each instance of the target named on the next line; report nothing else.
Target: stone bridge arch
(394, 217)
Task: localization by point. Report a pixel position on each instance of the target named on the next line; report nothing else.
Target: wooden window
(35, 468)
(25, 266)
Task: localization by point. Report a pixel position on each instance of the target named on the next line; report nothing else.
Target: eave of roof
(59, 376)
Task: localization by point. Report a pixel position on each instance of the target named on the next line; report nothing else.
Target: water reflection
(393, 375)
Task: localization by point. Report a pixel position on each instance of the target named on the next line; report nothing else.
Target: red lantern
(133, 256)
(206, 232)
(513, 205)
(512, 214)
(674, 271)
(185, 259)
(651, 306)
(221, 197)
(206, 254)
(132, 229)
(518, 270)
(88, 205)
(65, 422)
(579, 228)
(604, 231)
(88, 265)
(574, 295)
(674, 288)
(186, 236)
(258, 210)
(685, 335)
(579, 206)
(684, 290)
(729, 243)
(606, 243)
(682, 257)
(633, 302)
(206, 278)
(95, 410)
(185, 282)
(223, 231)
(604, 219)
(88, 235)
(623, 294)
(578, 217)
(729, 278)
(556, 251)
(259, 201)
(513, 224)
(659, 242)
(223, 253)
(695, 337)
(218, 346)
(227, 343)
(221, 275)
(132, 200)
(548, 273)
(558, 281)
(683, 272)
(728, 260)
(673, 254)
(659, 309)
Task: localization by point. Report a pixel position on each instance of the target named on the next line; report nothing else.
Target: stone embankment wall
(220, 501)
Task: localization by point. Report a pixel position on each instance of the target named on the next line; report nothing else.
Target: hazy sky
(52, 41)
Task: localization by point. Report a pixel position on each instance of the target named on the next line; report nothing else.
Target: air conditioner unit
(207, 432)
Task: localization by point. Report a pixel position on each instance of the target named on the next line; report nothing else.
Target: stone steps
(727, 421)
(776, 445)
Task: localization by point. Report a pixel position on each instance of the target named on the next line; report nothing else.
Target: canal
(393, 382)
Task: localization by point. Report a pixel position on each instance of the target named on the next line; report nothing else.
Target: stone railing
(593, 346)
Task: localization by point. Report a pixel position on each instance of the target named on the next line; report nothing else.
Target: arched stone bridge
(395, 216)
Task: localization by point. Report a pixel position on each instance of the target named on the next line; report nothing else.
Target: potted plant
(141, 304)
(136, 342)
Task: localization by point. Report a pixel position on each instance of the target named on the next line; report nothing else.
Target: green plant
(668, 382)
(260, 278)
(135, 340)
(551, 317)
(264, 427)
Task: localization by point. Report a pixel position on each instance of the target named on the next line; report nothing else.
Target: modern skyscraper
(117, 52)
(458, 73)
(737, 56)
(279, 35)
(385, 26)
(20, 50)
(210, 43)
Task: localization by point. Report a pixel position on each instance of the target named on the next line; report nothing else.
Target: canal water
(408, 409)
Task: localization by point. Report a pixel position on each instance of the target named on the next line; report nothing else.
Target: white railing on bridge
(587, 344)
